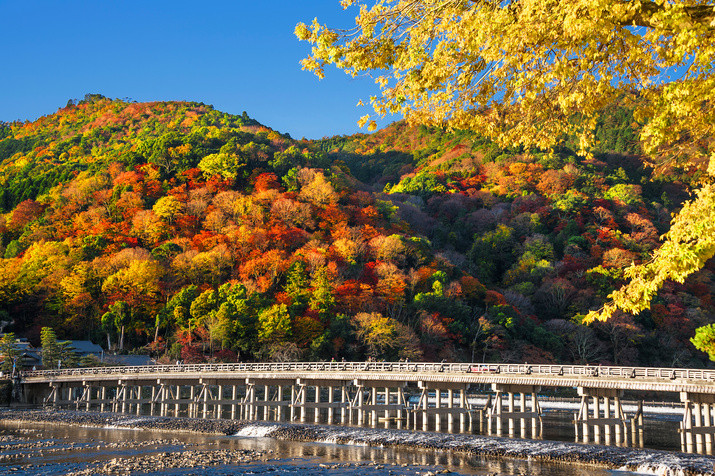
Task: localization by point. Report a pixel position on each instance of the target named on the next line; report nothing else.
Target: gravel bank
(651, 461)
(100, 420)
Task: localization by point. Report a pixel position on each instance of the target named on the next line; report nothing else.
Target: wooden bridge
(416, 395)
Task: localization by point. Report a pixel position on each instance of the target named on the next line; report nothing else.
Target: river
(49, 449)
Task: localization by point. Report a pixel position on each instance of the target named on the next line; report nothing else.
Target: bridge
(420, 396)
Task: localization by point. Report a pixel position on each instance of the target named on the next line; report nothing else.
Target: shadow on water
(660, 433)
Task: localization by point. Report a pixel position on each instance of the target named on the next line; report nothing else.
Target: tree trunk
(121, 340)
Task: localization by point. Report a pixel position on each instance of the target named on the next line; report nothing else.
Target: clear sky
(238, 55)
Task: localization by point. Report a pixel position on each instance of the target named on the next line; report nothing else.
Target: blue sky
(236, 55)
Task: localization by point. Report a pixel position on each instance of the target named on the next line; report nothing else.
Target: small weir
(399, 395)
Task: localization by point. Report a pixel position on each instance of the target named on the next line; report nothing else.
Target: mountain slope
(175, 229)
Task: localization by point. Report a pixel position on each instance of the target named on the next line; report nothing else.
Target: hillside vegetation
(174, 229)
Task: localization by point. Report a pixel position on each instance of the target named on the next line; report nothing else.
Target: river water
(49, 449)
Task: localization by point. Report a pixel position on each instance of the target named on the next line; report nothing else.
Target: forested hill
(174, 229)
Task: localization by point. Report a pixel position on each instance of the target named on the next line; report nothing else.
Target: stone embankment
(651, 461)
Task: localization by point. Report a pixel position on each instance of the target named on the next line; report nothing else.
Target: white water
(256, 431)
(658, 470)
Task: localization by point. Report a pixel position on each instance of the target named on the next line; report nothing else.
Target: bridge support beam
(698, 425)
(607, 415)
(385, 401)
(435, 392)
(497, 416)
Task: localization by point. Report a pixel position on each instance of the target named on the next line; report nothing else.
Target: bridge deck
(433, 374)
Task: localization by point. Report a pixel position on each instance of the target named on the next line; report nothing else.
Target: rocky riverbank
(651, 461)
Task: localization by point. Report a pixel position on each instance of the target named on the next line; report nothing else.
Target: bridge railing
(589, 371)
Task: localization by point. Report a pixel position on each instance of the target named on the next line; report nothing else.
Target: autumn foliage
(198, 235)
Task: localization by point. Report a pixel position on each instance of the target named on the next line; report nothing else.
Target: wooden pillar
(511, 410)
(438, 405)
(402, 404)
(708, 422)
(698, 424)
(192, 401)
(139, 400)
(373, 411)
(103, 398)
(234, 395)
(331, 400)
(425, 407)
(124, 398)
(316, 414)
(596, 415)
(463, 406)
(450, 415)
(537, 411)
(303, 390)
(351, 406)
(498, 402)
(279, 408)
(360, 401)
(164, 398)
(88, 404)
(217, 407)
(689, 444)
(252, 410)
(343, 401)
(152, 401)
(266, 400)
(293, 398)
(387, 408)
(417, 412)
(522, 421)
(619, 414)
(586, 417)
(115, 399)
(607, 416)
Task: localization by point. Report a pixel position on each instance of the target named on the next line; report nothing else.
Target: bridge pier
(608, 417)
(272, 406)
(301, 397)
(86, 397)
(316, 411)
(698, 425)
(360, 404)
(103, 398)
(496, 414)
(344, 411)
(391, 407)
(439, 410)
(331, 409)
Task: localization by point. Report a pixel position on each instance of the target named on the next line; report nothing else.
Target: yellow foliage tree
(531, 72)
(167, 208)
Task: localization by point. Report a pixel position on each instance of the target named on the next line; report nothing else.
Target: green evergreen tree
(9, 352)
(50, 348)
(322, 299)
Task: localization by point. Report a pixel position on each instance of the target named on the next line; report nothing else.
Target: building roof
(85, 347)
